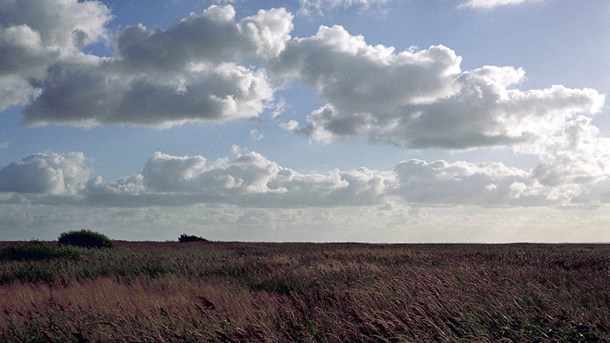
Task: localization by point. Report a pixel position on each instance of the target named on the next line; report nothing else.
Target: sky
(309, 120)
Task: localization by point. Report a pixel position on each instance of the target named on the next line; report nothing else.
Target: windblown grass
(37, 250)
(232, 292)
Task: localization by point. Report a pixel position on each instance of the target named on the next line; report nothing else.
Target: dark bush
(184, 238)
(85, 238)
(37, 250)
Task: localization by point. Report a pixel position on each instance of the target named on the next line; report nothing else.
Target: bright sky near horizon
(309, 120)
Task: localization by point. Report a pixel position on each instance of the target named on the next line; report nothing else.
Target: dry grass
(170, 292)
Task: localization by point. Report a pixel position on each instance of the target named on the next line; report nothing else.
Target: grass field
(233, 292)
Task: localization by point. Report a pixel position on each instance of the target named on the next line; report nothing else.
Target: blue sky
(312, 120)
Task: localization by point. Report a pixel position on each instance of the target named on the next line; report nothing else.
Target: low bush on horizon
(262, 292)
(85, 239)
(184, 238)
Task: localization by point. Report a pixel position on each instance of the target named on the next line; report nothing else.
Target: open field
(170, 292)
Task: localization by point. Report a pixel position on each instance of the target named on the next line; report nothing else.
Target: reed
(233, 292)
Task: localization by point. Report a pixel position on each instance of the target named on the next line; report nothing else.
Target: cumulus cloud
(574, 154)
(191, 71)
(36, 34)
(421, 99)
(96, 92)
(23, 51)
(489, 4)
(343, 68)
(309, 7)
(46, 173)
(67, 25)
(247, 179)
(484, 184)
(213, 36)
(15, 91)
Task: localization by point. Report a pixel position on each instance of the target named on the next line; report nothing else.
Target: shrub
(37, 250)
(190, 238)
(85, 238)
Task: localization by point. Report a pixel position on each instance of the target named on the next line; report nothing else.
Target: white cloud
(421, 99)
(489, 4)
(291, 125)
(309, 7)
(46, 173)
(5, 144)
(35, 34)
(269, 30)
(278, 108)
(256, 135)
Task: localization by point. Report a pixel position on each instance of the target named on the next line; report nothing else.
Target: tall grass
(37, 250)
(172, 292)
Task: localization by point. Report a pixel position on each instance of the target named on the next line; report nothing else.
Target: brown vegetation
(172, 292)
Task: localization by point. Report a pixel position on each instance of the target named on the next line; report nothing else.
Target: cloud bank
(249, 180)
(252, 180)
